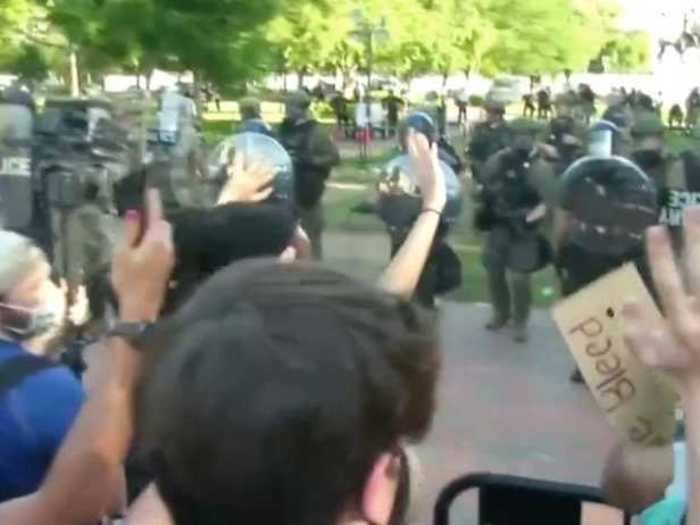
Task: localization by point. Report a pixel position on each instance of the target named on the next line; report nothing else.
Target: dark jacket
(314, 156)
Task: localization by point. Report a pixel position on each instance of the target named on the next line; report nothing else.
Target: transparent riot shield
(399, 196)
(256, 148)
(175, 152)
(134, 112)
(16, 196)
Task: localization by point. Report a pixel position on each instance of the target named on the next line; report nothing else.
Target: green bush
(322, 110)
(476, 101)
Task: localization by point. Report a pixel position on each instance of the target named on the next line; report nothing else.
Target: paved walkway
(509, 408)
(503, 408)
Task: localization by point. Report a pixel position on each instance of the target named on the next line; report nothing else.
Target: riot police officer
(677, 176)
(179, 157)
(82, 154)
(512, 208)
(566, 134)
(491, 135)
(314, 155)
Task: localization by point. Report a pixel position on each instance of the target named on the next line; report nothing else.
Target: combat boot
(520, 332)
(496, 323)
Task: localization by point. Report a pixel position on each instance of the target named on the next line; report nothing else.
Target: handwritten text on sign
(636, 401)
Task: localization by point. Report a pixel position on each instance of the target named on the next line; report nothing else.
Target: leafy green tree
(30, 63)
(218, 40)
(626, 52)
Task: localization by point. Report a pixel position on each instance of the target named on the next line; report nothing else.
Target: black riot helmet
(400, 201)
(256, 149)
(610, 201)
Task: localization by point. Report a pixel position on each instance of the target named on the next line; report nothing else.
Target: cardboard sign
(637, 401)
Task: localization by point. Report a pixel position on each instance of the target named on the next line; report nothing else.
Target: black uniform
(487, 140)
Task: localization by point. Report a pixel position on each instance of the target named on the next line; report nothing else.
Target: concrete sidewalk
(509, 409)
(503, 408)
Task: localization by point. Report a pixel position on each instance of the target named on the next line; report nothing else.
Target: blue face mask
(23, 324)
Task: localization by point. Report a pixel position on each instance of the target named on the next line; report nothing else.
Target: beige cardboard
(636, 401)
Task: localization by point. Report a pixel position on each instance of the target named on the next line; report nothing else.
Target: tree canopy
(227, 41)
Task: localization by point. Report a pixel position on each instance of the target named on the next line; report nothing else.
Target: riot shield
(400, 202)
(610, 203)
(256, 148)
(175, 152)
(16, 195)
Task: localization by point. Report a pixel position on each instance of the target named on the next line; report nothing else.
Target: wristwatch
(132, 333)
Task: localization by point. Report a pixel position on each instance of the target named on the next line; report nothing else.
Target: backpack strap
(15, 369)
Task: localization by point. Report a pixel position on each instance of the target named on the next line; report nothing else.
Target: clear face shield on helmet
(255, 148)
(399, 199)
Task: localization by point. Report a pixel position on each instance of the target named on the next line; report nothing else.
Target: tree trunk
(347, 77)
(149, 74)
(283, 72)
(196, 85)
(339, 79)
(74, 76)
(300, 78)
(445, 76)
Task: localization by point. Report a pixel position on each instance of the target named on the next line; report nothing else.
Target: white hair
(18, 257)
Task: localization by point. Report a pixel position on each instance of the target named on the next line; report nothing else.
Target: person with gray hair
(38, 398)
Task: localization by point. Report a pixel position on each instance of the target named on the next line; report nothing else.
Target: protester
(314, 156)
(672, 345)
(380, 381)
(38, 399)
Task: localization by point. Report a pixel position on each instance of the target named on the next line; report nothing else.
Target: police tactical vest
(682, 190)
(516, 191)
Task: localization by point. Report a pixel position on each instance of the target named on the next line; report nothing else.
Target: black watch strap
(132, 332)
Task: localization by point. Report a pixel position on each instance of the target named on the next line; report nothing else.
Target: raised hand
(143, 262)
(246, 184)
(430, 177)
(673, 344)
